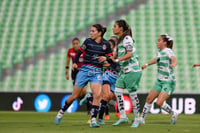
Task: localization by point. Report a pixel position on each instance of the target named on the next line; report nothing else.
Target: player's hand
(67, 76)
(101, 58)
(143, 67)
(74, 66)
(173, 65)
(194, 65)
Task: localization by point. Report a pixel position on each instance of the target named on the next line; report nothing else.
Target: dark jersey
(114, 68)
(93, 50)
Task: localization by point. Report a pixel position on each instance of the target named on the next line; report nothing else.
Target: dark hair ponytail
(126, 29)
(100, 28)
(168, 39)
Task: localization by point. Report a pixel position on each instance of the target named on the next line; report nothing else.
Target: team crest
(104, 47)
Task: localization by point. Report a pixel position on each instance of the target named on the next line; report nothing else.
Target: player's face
(76, 45)
(160, 43)
(94, 33)
(116, 29)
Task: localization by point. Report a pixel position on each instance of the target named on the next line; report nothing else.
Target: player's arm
(67, 66)
(174, 62)
(74, 66)
(128, 55)
(149, 63)
(195, 65)
(129, 46)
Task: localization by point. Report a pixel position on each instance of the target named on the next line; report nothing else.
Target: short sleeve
(83, 47)
(68, 53)
(169, 53)
(108, 50)
(128, 43)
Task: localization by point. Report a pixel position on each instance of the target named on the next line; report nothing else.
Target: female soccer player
(130, 74)
(90, 71)
(108, 88)
(165, 83)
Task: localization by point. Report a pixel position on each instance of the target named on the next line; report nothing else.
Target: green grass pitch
(33, 122)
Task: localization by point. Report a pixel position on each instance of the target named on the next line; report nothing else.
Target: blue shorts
(88, 74)
(110, 78)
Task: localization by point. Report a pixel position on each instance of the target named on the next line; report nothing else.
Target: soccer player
(165, 83)
(109, 80)
(70, 56)
(90, 71)
(195, 65)
(130, 73)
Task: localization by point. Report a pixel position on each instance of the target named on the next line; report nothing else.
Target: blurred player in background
(90, 71)
(165, 83)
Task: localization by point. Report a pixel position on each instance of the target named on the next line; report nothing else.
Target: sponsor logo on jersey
(104, 47)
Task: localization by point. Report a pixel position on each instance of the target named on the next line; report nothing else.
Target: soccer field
(32, 122)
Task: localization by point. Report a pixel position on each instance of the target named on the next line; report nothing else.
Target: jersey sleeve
(170, 53)
(83, 47)
(128, 43)
(68, 53)
(108, 51)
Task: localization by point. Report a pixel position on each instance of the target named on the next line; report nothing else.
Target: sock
(136, 104)
(89, 104)
(167, 108)
(145, 110)
(107, 110)
(102, 109)
(112, 102)
(66, 106)
(94, 111)
(120, 102)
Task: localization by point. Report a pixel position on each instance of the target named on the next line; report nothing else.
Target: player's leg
(81, 81)
(75, 94)
(132, 80)
(153, 94)
(147, 106)
(161, 101)
(104, 101)
(96, 91)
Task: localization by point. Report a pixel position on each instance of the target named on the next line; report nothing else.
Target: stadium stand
(179, 18)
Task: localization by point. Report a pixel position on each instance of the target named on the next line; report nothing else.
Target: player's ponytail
(100, 28)
(168, 39)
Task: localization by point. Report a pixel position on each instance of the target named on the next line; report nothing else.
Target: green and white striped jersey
(131, 64)
(165, 71)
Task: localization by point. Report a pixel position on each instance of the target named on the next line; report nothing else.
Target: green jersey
(165, 71)
(132, 63)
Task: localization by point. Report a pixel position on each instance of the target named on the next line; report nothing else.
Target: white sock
(167, 108)
(136, 104)
(145, 110)
(120, 102)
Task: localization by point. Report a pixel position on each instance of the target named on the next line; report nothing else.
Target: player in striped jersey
(130, 74)
(166, 82)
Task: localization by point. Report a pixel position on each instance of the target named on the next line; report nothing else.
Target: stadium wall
(45, 102)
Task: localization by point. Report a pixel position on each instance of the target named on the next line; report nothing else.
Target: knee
(95, 96)
(105, 98)
(75, 96)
